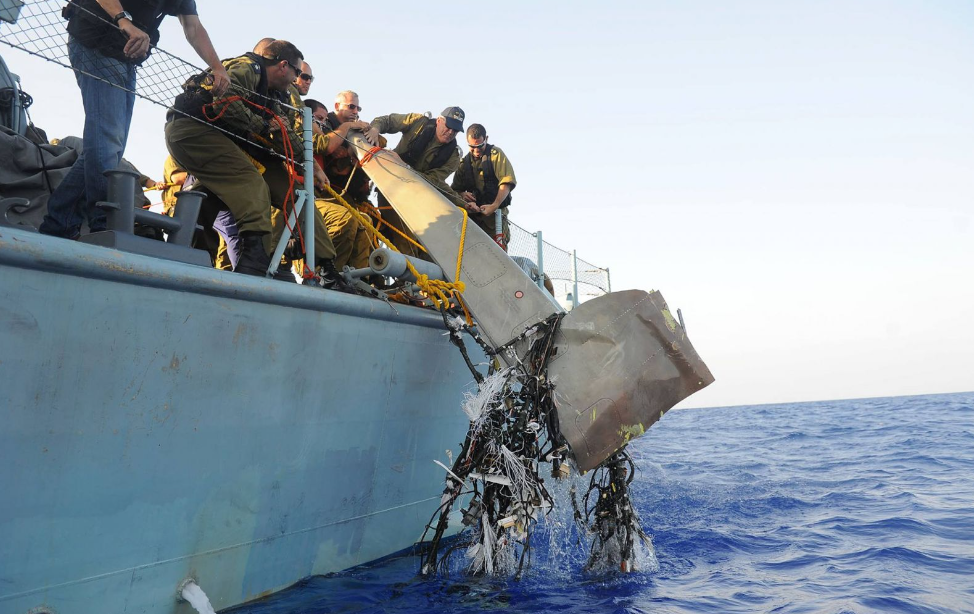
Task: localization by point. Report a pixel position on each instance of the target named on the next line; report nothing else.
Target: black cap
(454, 118)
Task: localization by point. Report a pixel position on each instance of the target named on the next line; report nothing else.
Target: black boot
(253, 258)
(283, 273)
(331, 279)
(376, 281)
(293, 251)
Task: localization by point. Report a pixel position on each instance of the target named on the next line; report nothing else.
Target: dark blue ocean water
(835, 507)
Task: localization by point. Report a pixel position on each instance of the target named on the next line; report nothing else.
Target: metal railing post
(499, 228)
(540, 260)
(574, 279)
(608, 280)
(309, 188)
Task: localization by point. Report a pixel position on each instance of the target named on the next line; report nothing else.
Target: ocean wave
(840, 507)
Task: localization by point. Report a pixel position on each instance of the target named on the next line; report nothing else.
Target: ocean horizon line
(866, 398)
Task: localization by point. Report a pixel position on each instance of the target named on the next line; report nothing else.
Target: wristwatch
(120, 16)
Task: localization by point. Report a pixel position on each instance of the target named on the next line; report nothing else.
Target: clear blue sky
(796, 176)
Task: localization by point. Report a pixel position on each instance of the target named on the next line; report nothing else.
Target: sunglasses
(353, 107)
(306, 77)
(297, 71)
(477, 147)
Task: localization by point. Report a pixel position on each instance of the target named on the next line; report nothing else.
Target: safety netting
(563, 268)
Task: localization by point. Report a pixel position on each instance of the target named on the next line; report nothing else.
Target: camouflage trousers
(230, 174)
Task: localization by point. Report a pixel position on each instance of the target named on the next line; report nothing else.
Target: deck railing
(574, 280)
(40, 31)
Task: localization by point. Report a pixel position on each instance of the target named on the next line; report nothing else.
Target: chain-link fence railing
(572, 279)
(41, 30)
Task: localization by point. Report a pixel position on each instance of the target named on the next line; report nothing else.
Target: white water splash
(197, 598)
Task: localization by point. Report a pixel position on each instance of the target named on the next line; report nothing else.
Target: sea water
(837, 507)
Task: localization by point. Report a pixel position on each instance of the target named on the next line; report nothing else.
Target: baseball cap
(454, 118)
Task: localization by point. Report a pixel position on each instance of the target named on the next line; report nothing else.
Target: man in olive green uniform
(341, 226)
(353, 242)
(250, 181)
(298, 88)
(429, 146)
(304, 79)
(485, 180)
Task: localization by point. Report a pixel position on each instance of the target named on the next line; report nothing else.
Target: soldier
(485, 180)
(292, 98)
(352, 241)
(305, 77)
(429, 146)
(261, 45)
(219, 161)
(319, 113)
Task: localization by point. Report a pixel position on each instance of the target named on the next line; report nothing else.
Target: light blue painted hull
(160, 421)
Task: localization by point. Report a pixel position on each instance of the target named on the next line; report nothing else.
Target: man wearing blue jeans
(107, 40)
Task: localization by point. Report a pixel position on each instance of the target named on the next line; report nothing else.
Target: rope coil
(437, 290)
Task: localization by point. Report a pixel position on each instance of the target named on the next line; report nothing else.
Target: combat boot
(283, 273)
(293, 249)
(331, 279)
(253, 258)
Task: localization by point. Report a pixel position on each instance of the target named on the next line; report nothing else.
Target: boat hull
(163, 421)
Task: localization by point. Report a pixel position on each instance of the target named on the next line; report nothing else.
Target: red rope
(369, 155)
(292, 174)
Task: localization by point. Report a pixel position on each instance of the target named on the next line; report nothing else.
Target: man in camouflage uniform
(304, 79)
(247, 178)
(428, 146)
(353, 242)
(485, 180)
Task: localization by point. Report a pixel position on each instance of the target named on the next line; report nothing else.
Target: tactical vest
(418, 145)
(195, 97)
(491, 184)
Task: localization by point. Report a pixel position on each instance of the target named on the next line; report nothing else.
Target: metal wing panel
(622, 362)
(502, 298)
(622, 359)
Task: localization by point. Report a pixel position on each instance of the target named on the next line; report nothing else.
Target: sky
(796, 176)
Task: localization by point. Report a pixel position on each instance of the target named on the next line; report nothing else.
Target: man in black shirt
(107, 40)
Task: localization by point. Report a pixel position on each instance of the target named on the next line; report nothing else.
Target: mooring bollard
(188, 203)
(122, 215)
(119, 206)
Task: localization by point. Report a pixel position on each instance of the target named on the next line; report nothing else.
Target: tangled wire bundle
(513, 430)
(607, 514)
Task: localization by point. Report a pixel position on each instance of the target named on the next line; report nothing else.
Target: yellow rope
(463, 239)
(437, 290)
(403, 235)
